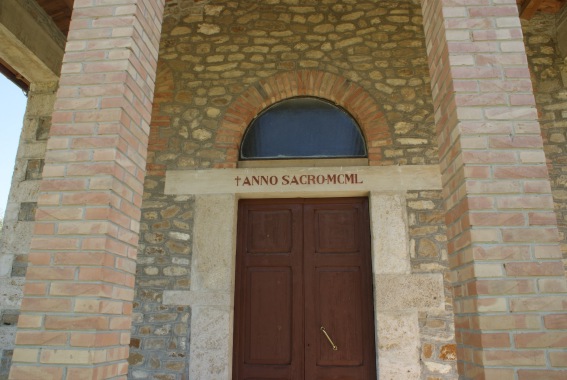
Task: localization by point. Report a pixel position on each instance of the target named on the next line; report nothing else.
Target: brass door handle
(335, 348)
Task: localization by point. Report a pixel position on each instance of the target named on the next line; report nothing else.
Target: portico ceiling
(59, 11)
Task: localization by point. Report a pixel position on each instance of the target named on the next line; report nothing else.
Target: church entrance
(303, 299)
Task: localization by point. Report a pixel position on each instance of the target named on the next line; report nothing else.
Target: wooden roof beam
(69, 4)
(529, 8)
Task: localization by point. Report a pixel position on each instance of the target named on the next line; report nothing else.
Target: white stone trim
(390, 251)
(374, 179)
(398, 294)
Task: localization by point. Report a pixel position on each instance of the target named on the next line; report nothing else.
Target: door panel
(268, 305)
(338, 309)
(302, 264)
(269, 231)
(338, 290)
(336, 231)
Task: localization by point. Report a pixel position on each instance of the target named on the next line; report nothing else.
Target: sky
(12, 108)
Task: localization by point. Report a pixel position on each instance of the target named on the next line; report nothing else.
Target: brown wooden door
(303, 265)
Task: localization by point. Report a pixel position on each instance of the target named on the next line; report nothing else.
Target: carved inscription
(294, 180)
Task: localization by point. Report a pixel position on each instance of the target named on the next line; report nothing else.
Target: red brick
(542, 219)
(76, 322)
(526, 202)
(83, 258)
(534, 269)
(486, 340)
(506, 322)
(30, 321)
(531, 374)
(80, 289)
(510, 358)
(554, 339)
(54, 243)
(98, 339)
(556, 321)
(35, 288)
(41, 338)
(501, 252)
(552, 285)
(46, 304)
(47, 273)
(548, 252)
(515, 142)
(39, 258)
(497, 287)
(496, 219)
(22, 372)
(539, 304)
(63, 185)
(520, 172)
(530, 235)
(558, 358)
(98, 306)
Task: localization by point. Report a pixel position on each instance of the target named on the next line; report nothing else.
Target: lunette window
(303, 127)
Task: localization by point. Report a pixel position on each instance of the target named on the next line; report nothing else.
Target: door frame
(398, 294)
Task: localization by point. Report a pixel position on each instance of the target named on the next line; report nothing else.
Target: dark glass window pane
(303, 128)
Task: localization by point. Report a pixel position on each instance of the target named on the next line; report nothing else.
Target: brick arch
(334, 88)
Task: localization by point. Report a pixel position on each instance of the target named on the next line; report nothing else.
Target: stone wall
(159, 347)
(428, 250)
(20, 213)
(212, 53)
(549, 76)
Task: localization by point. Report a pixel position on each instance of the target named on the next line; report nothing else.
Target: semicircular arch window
(302, 127)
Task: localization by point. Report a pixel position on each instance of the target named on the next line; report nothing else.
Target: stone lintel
(304, 181)
(29, 41)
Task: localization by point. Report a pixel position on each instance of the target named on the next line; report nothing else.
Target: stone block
(9, 318)
(409, 292)
(11, 292)
(398, 345)
(390, 241)
(27, 211)
(43, 127)
(211, 330)
(212, 264)
(196, 298)
(6, 265)
(34, 168)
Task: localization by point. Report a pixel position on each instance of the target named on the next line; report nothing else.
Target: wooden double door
(303, 302)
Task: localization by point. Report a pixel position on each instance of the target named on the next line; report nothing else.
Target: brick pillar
(509, 282)
(76, 312)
